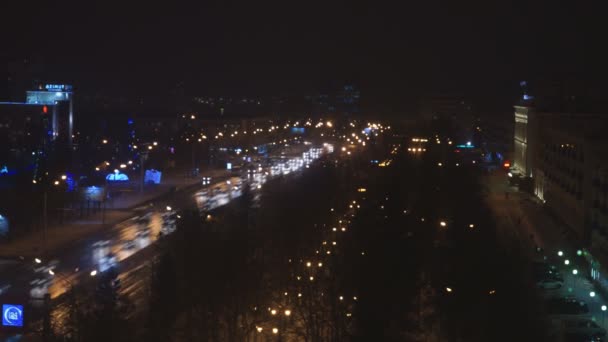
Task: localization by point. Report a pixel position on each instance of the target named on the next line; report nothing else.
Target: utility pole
(45, 222)
(142, 160)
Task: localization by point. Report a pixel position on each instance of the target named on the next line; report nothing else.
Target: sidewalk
(523, 217)
(59, 235)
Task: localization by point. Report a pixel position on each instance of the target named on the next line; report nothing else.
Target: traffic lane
(84, 255)
(108, 248)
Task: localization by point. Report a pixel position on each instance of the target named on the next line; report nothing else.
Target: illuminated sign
(58, 87)
(12, 315)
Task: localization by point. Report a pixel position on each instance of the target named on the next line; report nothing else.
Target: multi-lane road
(125, 245)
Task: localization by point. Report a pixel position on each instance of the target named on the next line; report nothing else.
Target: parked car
(585, 326)
(549, 284)
(581, 337)
(565, 307)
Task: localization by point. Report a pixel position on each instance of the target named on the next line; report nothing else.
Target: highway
(126, 245)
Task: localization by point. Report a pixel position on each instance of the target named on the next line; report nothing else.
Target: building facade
(560, 154)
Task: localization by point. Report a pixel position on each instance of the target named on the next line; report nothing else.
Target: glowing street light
(604, 308)
(592, 294)
(38, 261)
(259, 329)
(287, 313)
(169, 208)
(442, 223)
(51, 272)
(575, 271)
(448, 289)
(273, 312)
(93, 273)
(560, 253)
(566, 262)
(275, 331)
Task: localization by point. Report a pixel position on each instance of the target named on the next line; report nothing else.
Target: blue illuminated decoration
(528, 97)
(297, 130)
(69, 181)
(468, 145)
(262, 149)
(130, 121)
(117, 177)
(153, 176)
(4, 169)
(3, 226)
(12, 315)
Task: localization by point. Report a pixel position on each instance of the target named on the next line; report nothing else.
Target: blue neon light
(468, 145)
(117, 177)
(12, 315)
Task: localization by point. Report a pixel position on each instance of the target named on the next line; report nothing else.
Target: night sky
(393, 51)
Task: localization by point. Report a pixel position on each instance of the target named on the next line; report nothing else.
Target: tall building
(29, 129)
(563, 157)
(347, 100)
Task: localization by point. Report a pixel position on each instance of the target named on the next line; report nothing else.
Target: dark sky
(392, 50)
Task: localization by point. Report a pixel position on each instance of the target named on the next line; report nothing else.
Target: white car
(39, 288)
(550, 284)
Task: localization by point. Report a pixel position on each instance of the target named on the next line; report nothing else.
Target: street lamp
(288, 313)
(575, 271)
(560, 253)
(592, 294)
(275, 331)
(93, 273)
(442, 223)
(566, 262)
(579, 252)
